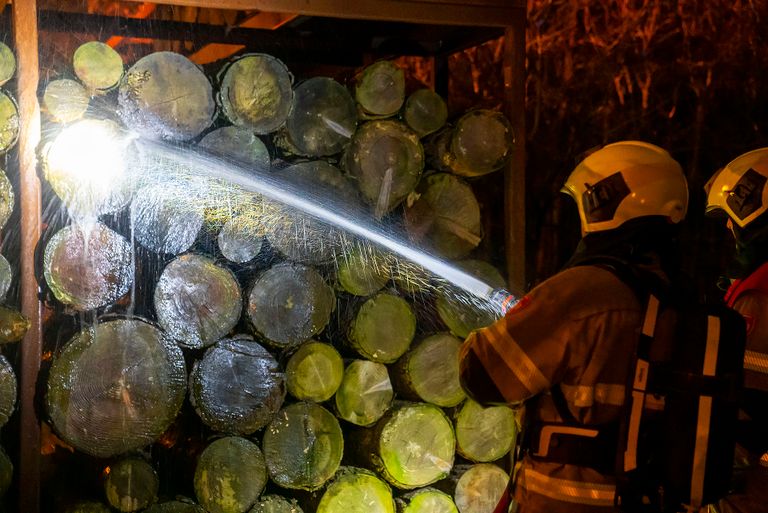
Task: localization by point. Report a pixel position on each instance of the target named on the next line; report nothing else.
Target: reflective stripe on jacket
(578, 330)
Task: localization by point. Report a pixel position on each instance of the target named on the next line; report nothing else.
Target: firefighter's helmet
(739, 189)
(627, 180)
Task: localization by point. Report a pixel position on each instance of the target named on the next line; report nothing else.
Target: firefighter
(739, 190)
(565, 349)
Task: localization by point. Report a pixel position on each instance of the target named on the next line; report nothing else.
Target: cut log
(13, 325)
(314, 372)
(164, 219)
(175, 507)
(9, 122)
(237, 387)
(485, 434)
(98, 66)
(460, 317)
(387, 159)
(66, 100)
(88, 507)
(230, 475)
(481, 142)
(363, 271)
(356, 490)
(6, 276)
(429, 371)
(380, 89)
(115, 387)
(165, 95)
(240, 239)
(131, 484)
(7, 200)
(238, 144)
(303, 446)
(412, 446)
(323, 118)
(7, 63)
(365, 393)
(383, 328)
(479, 489)
(89, 187)
(6, 472)
(446, 217)
(289, 304)
(8, 390)
(256, 92)
(296, 234)
(197, 302)
(275, 504)
(87, 267)
(425, 112)
(426, 500)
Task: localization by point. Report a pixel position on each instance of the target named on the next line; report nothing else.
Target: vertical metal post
(26, 40)
(514, 177)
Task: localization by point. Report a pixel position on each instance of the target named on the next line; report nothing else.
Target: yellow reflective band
(651, 313)
(517, 361)
(756, 361)
(578, 492)
(547, 431)
(584, 396)
(633, 435)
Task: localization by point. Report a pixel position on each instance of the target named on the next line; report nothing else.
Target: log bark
(356, 490)
(9, 122)
(131, 485)
(289, 304)
(256, 92)
(446, 217)
(386, 158)
(483, 434)
(98, 66)
(365, 393)
(166, 96)
(87, 267)
(429, 371)
(303, 446)
(8, 390)
(115, 387)
(7, 63)
(380, 90)
(323, 118)
(230, 475)
(371, 333)
(65, 100)
(197, 302)
(314, 372)
(425, 112)
(237, 387)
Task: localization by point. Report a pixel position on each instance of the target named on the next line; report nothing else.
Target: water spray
(264, 183)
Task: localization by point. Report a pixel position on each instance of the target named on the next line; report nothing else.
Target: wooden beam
(514, 177)
(26, 40)
(491, 13)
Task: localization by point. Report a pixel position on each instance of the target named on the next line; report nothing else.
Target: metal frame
(508, 14)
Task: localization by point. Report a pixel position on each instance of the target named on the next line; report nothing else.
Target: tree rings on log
(380, 89)
(303, 446)
(289, 304)
(323, 118)
(115, 387)
(166, 96)
(230, 475)
(365, 393)
(241, 237)
(165, 219)
(314, 372)
(485, 434)
(356, 490)
(9, 122)
(237, 387)
(425, 112)
(197, 302)
(66, 100)
(98, 66)
(256, 92)
(87, 267)
(7, 63)
(371, 333)
(479, 489)
(387, 159)
(131, 484)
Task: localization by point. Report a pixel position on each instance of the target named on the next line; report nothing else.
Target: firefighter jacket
(578, 331)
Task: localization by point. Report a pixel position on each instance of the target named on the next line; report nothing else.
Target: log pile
(253, 357)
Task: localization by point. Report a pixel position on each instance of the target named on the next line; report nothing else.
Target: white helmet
(627, 180)
(739, 188)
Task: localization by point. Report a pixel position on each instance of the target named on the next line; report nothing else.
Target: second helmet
(739, 189)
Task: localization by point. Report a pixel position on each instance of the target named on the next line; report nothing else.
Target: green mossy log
(383, 328)
(314, 372)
